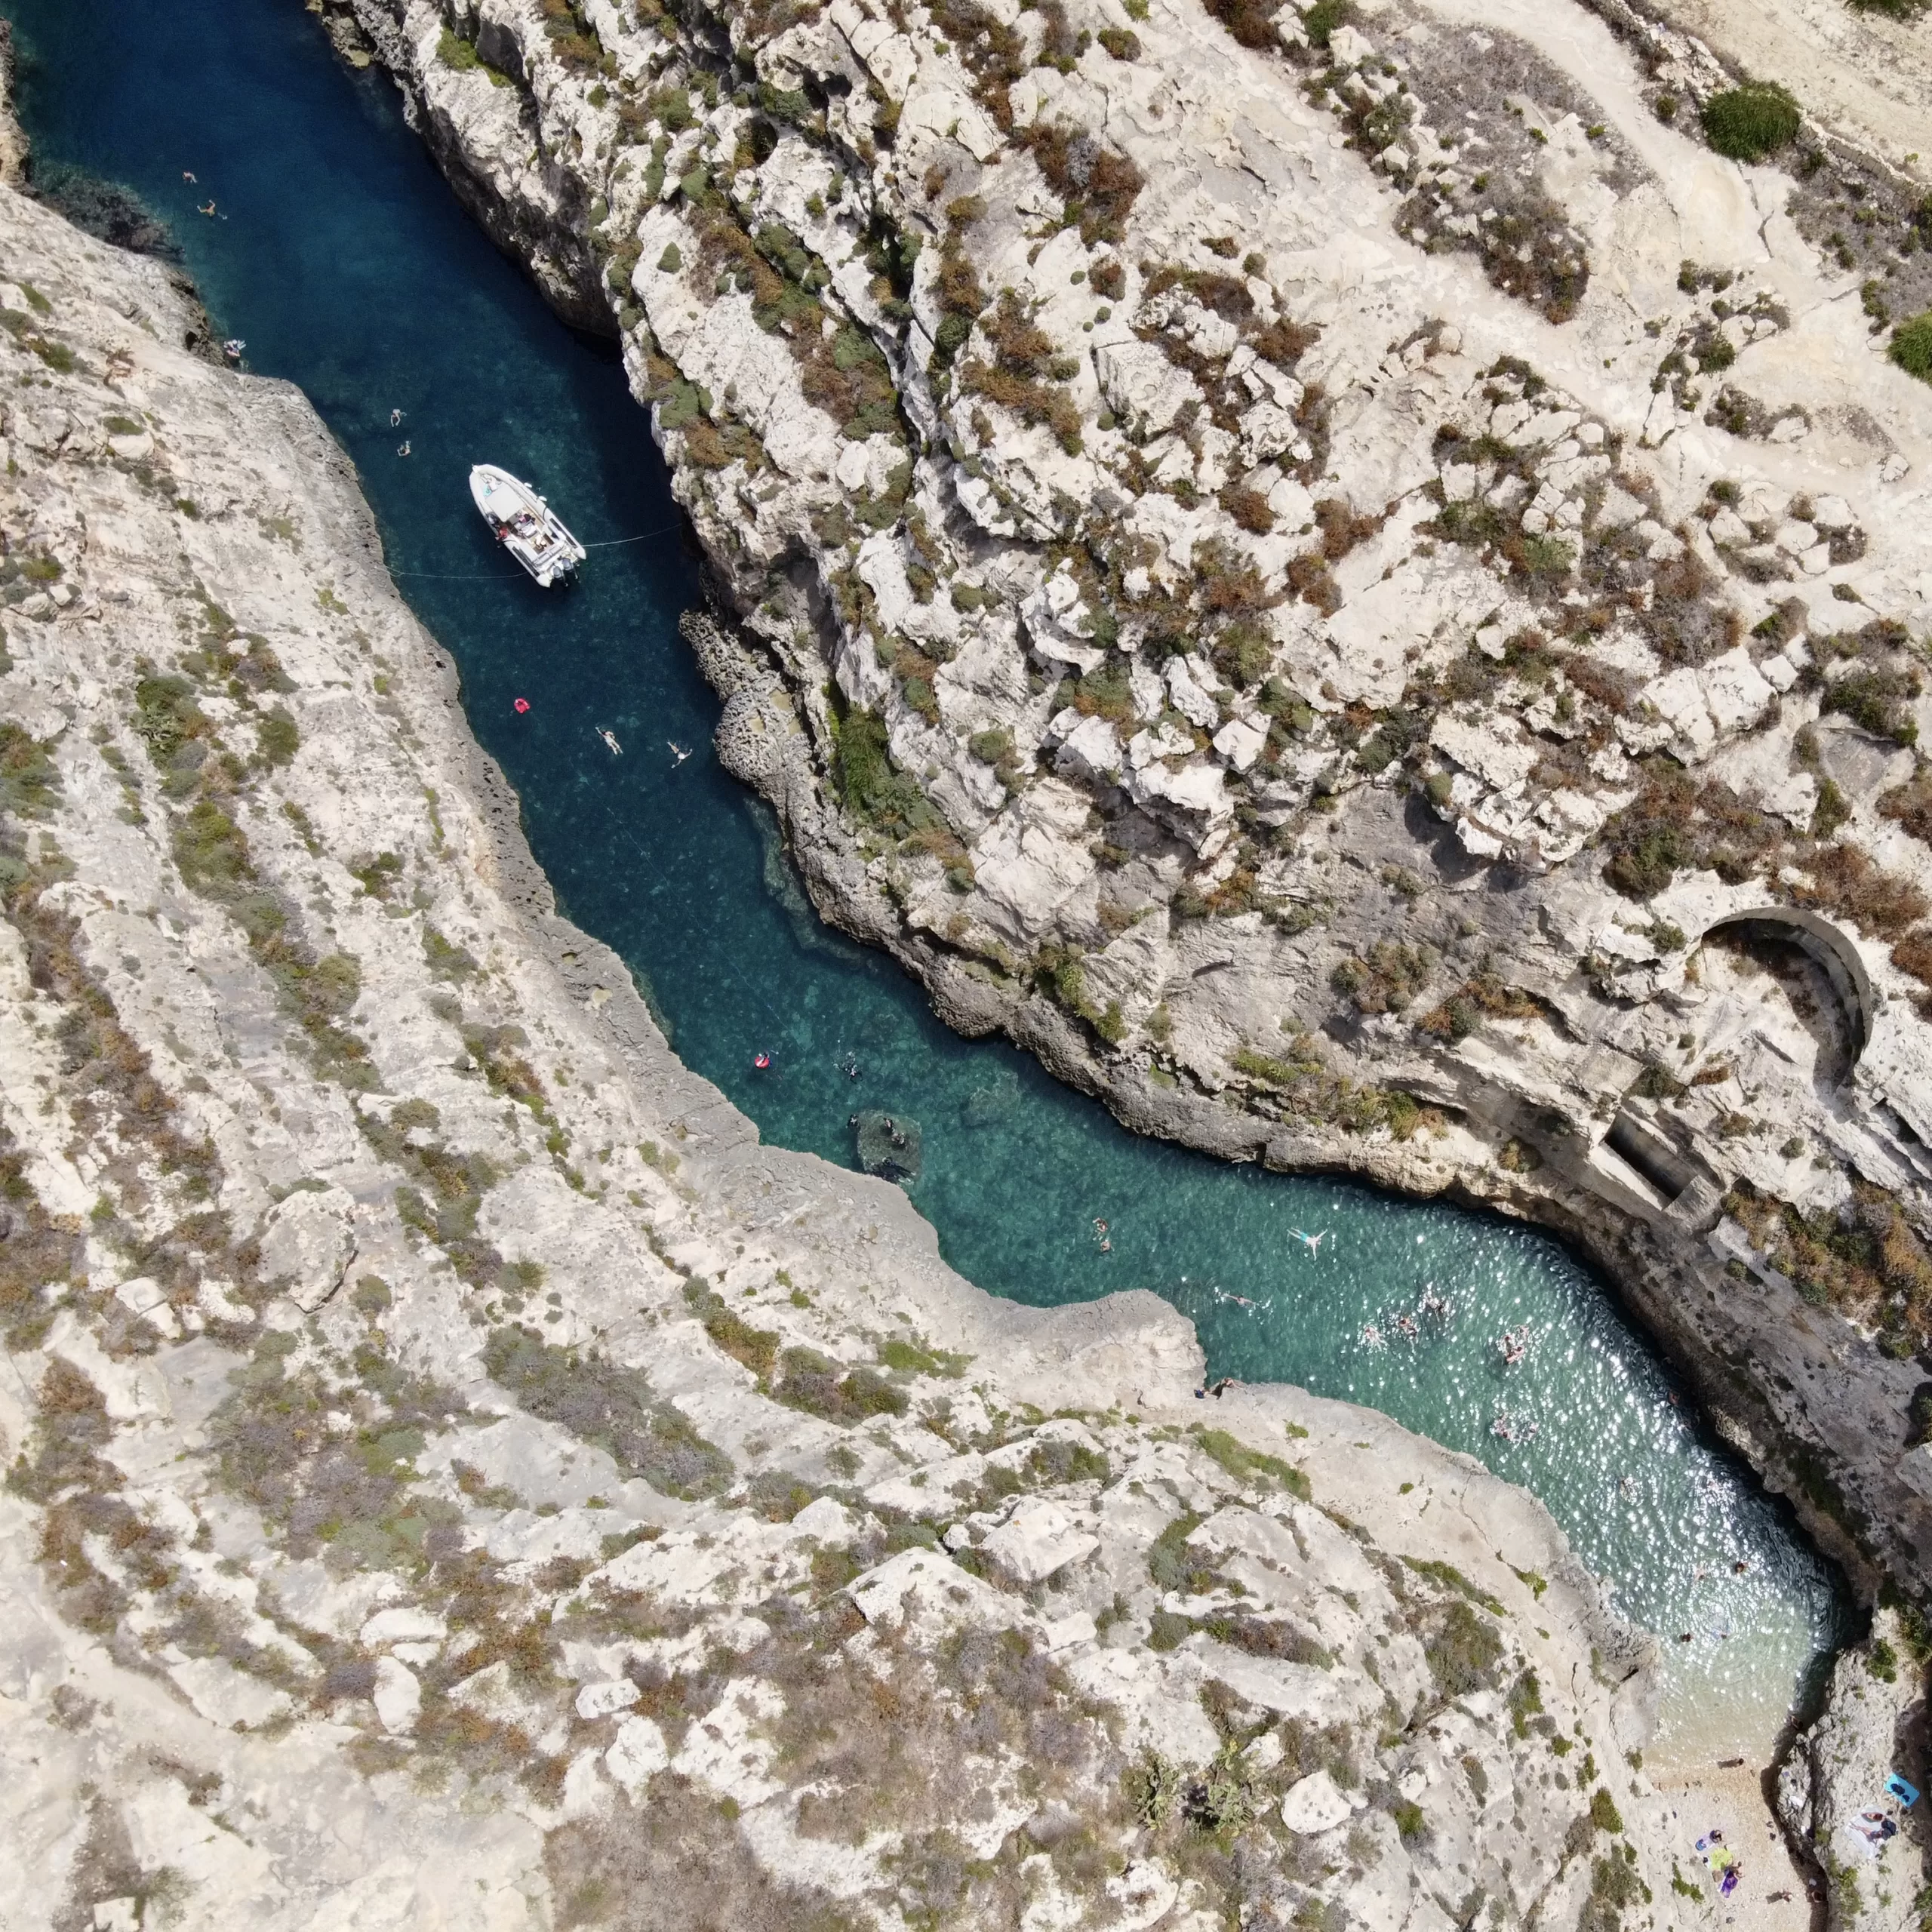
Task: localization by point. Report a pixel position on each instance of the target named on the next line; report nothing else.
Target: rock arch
(1828, 948)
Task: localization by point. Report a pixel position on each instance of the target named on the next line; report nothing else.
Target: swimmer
(207, 208)
(395, 419)
(1627, 1486)
(1241, 1301)
(1099, 1226)
(402, 447)
(187, 175)
(1406, 1328)
(609, 738)
(679, 753)
(1311, 1242)
(1106, 1247)
(1372, 1337)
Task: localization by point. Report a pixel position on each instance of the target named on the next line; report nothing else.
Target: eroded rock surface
(1373, 586)
(458, 1477)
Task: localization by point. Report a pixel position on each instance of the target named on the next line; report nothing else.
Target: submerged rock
(889, 1145)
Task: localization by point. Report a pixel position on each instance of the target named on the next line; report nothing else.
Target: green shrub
(1548, 556)
(905, 1356)
(1911, 347)
(812, 1382)
(1463, 1651)
(756, 1348)
(1249, 1466)
(30, 785)
(1604, 1813)
(1169, 1630)
(1173, 1566)
(1525, 1702)
(211, 850)
(868, 786)
(278, 737)
(1748, 123)
(1242, 654)
(1874, 700)
(614, 1408)
(454, 51)
(1324, 17)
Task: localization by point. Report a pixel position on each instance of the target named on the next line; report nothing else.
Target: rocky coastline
(497, 1490)
(1426, 754)
(457, 1475)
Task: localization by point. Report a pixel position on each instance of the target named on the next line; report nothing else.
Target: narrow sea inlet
(320, 234)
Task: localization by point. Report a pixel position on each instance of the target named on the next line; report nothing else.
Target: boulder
(1039, 1538)
(398, 1696)
(307, 1243)
(1314, 1804)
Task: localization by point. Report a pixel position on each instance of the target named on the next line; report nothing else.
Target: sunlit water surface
(341, 257)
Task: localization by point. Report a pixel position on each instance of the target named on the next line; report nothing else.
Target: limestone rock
(308, 1242)
(398, 1695)
(1315, 1804)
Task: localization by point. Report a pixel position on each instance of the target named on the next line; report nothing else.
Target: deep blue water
(339, 254)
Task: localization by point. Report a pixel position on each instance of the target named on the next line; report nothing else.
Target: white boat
(525, 524)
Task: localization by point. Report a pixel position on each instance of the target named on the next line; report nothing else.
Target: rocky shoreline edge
(1702, 1285)
(350, 1571)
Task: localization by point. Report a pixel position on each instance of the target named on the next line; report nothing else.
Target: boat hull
(525, 525)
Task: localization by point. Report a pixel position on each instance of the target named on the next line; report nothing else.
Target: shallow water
(338, 253)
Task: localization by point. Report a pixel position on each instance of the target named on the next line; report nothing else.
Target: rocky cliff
(458, 1477)
(1351, 578)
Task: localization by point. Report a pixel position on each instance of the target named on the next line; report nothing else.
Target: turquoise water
(339, 254)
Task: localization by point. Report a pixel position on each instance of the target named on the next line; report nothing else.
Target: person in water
(402, 447)
(395, 419)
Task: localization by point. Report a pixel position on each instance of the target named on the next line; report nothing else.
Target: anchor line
(489, 577)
